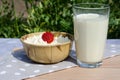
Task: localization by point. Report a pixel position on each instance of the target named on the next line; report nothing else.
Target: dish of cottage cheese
(37, 40)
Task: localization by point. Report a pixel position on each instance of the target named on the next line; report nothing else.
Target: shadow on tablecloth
(20, 54)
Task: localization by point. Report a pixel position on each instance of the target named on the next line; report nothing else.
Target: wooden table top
(110, 70)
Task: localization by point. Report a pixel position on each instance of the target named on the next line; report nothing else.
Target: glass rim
(101, 6)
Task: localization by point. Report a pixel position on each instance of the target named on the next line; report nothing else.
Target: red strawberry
(48, 37)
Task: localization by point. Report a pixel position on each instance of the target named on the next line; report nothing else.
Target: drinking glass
(90, 32)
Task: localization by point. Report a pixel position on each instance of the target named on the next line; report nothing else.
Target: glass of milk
(90, 32)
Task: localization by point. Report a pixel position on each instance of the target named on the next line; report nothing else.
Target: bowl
(47, 53)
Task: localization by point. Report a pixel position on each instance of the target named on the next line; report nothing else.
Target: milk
(90, 31)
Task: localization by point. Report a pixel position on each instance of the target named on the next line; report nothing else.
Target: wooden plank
(110, 70)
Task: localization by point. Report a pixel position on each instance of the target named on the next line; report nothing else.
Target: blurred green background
(49, 15)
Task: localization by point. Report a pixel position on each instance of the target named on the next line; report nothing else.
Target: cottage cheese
(37, 40)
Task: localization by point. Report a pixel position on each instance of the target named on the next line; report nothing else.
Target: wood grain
(110, 70)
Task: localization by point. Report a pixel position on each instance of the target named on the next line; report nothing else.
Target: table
(110, 70)
(20, 67)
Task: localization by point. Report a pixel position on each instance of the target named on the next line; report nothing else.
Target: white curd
(37, 40)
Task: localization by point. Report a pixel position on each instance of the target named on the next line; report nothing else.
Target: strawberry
(48, 37)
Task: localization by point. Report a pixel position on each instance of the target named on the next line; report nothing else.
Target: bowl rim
(38, 45)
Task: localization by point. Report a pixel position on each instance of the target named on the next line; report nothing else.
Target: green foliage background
(51, 15)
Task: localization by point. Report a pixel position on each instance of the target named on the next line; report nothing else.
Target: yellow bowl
(47, 53)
